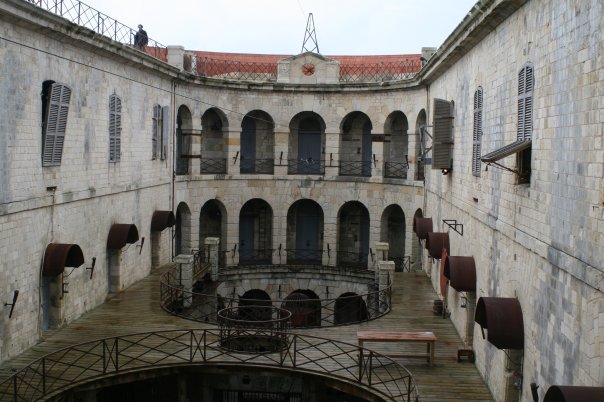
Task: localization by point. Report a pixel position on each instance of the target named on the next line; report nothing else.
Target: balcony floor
(137, 309)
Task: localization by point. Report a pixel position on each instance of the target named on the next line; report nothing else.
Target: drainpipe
(173, 173)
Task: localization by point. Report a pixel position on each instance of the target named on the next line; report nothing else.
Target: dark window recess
(115, 128)
(442, 146)
(55, 107)
(157, 127)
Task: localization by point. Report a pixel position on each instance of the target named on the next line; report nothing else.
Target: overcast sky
(343, 27)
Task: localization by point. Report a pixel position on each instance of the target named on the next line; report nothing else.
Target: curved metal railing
(83, 15)
(69, 367)
(203, 305)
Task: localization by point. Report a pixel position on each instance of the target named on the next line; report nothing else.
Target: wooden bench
(394, 336)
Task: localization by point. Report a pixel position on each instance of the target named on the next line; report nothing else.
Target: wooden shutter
(525, 103)
(477, 132)
(165, 132)
(56, 122)
(156, 128)
(115, 128)
(443, 134)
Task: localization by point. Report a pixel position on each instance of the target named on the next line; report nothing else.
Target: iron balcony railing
(257, 166)
(213, 165)
(304, 256)
(355, 168)
(396, 170)
(402, 264)
(203, 305)
(57, 372)
(88, 17)
(305, 166)
(351, 259)
(255, 256)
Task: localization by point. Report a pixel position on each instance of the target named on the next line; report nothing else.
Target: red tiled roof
(273, 58)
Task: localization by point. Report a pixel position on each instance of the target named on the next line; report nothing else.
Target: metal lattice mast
(310, 36)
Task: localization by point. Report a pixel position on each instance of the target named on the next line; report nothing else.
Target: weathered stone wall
(78, 201)
(542, 242)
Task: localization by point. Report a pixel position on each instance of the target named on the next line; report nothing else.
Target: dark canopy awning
(507, 150)
(422, 226)
(461, 272)
(502, 318)
(567, 393)
(161, 220)
(58, 256)
(121, 234)
(436, 242)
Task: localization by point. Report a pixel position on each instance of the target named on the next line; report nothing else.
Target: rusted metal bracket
(452, 223)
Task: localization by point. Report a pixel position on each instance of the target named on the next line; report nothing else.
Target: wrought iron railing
(257, 166)
(378, 72)
(352, 259)
(396, 169)
(86, 16)
(304, 256)
(255, 256)
(355, 168)
(233, 69)
(203, 305)
(305, 166)
(213, 165)
(402, 264)
(67, 368)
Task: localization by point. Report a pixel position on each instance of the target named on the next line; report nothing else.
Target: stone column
(386, 277)
(332, 152)
(377, 158)
(281, 152)
(381, 254)
(233, 146)
(185, 273)
(212, 250)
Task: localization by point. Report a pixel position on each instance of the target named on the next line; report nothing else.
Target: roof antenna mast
(310, 37)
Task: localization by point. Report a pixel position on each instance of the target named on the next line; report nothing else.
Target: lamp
(445, 171)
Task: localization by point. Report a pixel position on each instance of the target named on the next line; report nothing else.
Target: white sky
(343, 27)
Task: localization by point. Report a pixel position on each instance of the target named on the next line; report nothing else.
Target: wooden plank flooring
(137, 309)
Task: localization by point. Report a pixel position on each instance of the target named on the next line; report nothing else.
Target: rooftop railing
(86, 16)
(80, 364)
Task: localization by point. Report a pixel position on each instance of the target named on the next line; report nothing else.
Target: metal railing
(350, 259)
(82, 14)
(67, 368)
(203, 305)
(213, 165)
(256, 166)
(234, 69)
(381, 71)
(304, 256)
(402, 264)
(255, 256)
(396, 169)
(355, 168)
(305, 166)
(267, 71)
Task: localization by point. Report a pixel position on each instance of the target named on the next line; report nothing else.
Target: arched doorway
(416, 246)
(212, 223)
(353, 235)
(213, 142)
(255, 232)
(355, 145)
(396, 162)
(305, 233)
(182, 236)
(306, 144)
(420, 145)
(257, 143)
(392, 231)
(184, 127)
(349, 308)
(255, 298)
(305, 307)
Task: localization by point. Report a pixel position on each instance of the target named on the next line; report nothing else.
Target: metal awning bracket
(452, 223)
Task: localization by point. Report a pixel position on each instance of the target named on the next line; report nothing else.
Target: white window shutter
(165, 132)
(56, 123)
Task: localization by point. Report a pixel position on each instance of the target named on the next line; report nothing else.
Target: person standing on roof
(140, 38)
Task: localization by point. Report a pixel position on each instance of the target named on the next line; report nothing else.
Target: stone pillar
(281, 152)
(233, 147)
(212, 250)
(175, 56)
(185, 275)
(386, 277)
(332, 152)
(381, 254)
(377, 158)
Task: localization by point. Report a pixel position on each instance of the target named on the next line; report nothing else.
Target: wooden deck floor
(137, 309)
